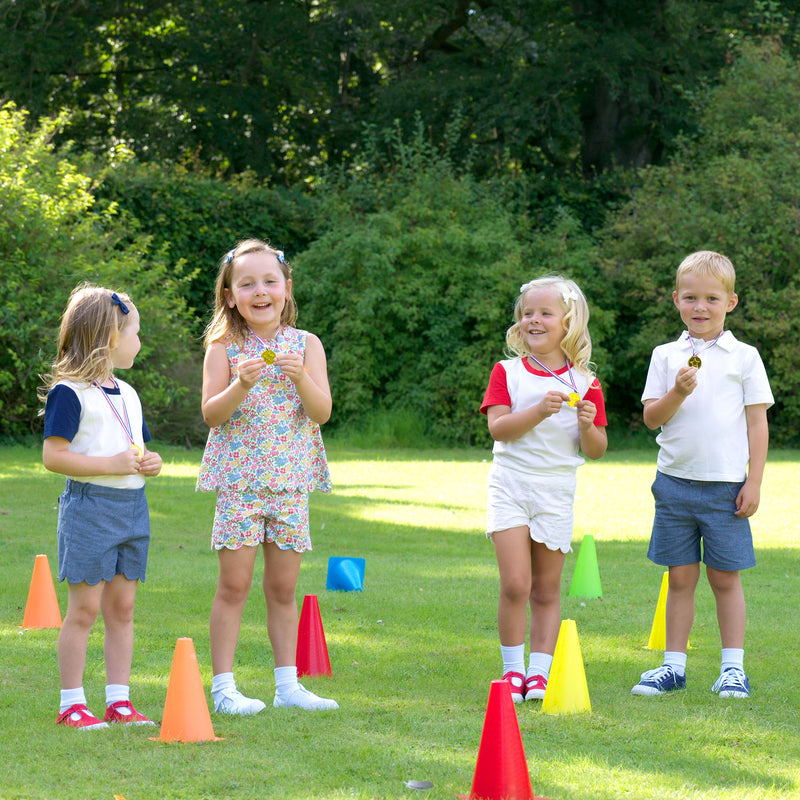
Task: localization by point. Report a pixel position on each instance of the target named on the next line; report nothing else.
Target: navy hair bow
(117, 302)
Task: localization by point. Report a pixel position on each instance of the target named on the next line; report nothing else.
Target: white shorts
(542, 503)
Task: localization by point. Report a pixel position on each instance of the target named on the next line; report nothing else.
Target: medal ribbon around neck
(574, 396)
(126, 423)
(694, 358)
(267, 354)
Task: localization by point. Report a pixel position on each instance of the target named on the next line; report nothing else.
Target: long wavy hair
(576, 344)
(89, 328)
(227, 322)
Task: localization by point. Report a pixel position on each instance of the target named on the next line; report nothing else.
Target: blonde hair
(227, 322)
(576, 344)
(89, 328)
(707, 263)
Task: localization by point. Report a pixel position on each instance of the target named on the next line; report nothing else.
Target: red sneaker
(517, 682)
(78, 716)
(124, 713)
(535, 687)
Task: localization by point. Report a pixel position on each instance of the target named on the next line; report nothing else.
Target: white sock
(116, 692)
(732, 657)
(71, 697)
(222, 681)
(676, 660)
(539, 664)
(513, 658)
(285, 680)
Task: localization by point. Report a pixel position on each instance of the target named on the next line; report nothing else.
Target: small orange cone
(312, 649)
(41, 610)
(567, 691)
(186, 715)
(501, 772)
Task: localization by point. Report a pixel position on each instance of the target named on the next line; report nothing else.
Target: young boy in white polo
(709, 394)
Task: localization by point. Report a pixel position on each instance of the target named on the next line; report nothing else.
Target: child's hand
(125, 463)
(250, 371)
(291, 365)
(551, 403)
(587, 411)
(150, 465)
(747, 500)
(686, 381)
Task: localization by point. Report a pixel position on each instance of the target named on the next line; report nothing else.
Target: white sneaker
(300, 697)
(232, 701)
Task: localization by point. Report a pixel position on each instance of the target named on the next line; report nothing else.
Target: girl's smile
(258, 291)
(542, 324)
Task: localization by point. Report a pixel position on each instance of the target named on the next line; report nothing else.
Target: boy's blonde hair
(227, 322)
(576, 344)
(92, 320)
(707, 263)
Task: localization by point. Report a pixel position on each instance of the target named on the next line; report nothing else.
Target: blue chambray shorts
(248, 519)
(102, 532)
(689, 513)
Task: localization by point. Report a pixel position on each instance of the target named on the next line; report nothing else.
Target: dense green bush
(411, 288)
(735, 189)
(195, 219)
(51, 238)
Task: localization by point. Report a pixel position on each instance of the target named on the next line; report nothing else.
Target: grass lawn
(413, 654)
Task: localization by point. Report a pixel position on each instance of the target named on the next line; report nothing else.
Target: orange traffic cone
(566, 688)
(312, 649)
(186, 716)
(41, 610)
(501, 772)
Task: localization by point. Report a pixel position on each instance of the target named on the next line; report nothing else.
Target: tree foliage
(51, 239)
(412, 283)
(284, 87)
(734, 189)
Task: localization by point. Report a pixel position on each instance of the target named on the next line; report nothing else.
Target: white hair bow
(569, 294)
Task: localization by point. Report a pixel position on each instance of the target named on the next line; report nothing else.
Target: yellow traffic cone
(567, 691)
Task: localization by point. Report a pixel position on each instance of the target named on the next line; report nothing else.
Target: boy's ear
(733, 301)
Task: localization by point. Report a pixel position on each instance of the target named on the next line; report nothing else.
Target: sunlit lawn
(413, 654)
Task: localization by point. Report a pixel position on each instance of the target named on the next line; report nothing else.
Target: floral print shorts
(253, 518)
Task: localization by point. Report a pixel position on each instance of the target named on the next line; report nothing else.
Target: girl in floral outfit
(265, 394)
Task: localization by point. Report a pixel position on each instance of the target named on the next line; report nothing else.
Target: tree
(734, 189)
(51, 239)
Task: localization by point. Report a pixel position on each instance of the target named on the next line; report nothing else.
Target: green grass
(413, 654)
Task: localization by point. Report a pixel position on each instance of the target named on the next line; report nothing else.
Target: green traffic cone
(586, 578)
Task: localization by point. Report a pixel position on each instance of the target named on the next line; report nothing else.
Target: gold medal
(268, 356)
(574, 397)
(138, 450)
(694, 361)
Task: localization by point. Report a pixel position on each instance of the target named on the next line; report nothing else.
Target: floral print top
(269, 443)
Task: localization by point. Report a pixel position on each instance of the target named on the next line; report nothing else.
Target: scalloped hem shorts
(248, 519)
(102, 532)
(542, 503)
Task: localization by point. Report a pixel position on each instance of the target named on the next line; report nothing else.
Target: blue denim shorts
(102, 532)
(691, 512)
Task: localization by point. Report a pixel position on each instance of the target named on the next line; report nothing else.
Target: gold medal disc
(138, 450)
(574, 397)
(695, 361)
(268, 356)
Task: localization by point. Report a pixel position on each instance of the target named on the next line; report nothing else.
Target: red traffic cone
(501, 772)
(312, 649)
(41, 610)
(186, 715)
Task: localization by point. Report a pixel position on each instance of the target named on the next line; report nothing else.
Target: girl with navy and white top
(544, 408)
(95, 435)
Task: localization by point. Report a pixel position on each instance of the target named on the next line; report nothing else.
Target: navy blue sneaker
(732, 683)
(659, 681)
